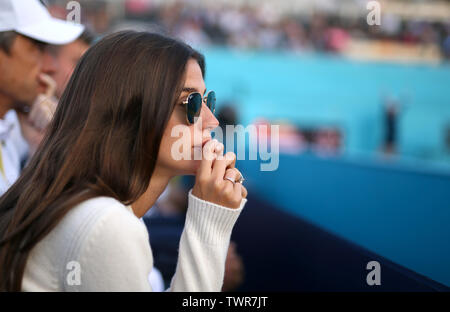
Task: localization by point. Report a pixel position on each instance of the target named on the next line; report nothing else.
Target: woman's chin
(195, 164)
(189, 167)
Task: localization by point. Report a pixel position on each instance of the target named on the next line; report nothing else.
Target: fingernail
(213, 144)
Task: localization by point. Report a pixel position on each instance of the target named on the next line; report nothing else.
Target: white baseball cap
(30, 18)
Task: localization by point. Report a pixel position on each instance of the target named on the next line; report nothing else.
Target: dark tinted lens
(211, 101)
(194, 106)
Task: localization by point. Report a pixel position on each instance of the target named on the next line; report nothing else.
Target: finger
(51, 103)
(229, 184)
(239, 173)
(221, 165)
(232, 164)
(209, 150)
(44, 116)
(206, 163)
(54, 103)
(32, 114)
(35, 105)
(49, 83)
(244, 191)
(41, 115)
(238, 191)
(219, 149)
(231, 173)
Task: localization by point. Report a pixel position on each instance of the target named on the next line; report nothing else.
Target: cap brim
(53, 31)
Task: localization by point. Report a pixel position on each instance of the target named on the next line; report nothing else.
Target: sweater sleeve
(116, 255)
(204, 245)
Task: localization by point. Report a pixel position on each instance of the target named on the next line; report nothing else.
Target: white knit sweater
(100, 245)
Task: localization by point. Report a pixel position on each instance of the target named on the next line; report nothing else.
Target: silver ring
(241, 179)
(230, 179)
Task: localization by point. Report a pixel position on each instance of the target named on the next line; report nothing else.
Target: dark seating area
(285, 253)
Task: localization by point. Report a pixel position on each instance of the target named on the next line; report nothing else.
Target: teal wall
(321, 89)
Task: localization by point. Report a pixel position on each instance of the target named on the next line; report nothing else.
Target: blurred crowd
(261, 27)
(258, 28)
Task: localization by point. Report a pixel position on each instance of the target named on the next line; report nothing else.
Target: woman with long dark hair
(71, 221)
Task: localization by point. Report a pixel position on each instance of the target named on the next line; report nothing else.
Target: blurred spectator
(447, 138)
(391, 111)
(67, 57)
(64, 59)
(262, 129)
(292, 140)
(24, 69)
(327, 141)
(226, 115)
(259, 26)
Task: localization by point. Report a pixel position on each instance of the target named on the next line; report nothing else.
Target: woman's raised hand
(215, 176)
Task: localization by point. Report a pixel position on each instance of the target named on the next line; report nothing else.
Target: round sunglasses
(194, 104)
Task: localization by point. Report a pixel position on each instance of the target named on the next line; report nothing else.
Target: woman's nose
(209, 120)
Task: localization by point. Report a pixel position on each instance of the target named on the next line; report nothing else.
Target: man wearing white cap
(25, 29)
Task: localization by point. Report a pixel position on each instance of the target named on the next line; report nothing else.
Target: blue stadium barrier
(393, 211)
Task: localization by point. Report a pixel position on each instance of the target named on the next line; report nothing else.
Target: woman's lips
(203, 144)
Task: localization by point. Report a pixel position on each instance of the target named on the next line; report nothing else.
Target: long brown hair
(103, 140)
